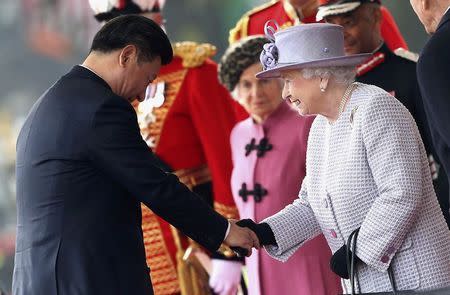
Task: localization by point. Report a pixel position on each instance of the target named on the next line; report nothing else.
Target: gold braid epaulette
(193, 54)
(409, 55)
(241, 29)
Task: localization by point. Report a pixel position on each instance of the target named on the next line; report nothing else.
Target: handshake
(246, 234)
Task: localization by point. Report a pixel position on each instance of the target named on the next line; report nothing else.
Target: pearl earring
(322, 88)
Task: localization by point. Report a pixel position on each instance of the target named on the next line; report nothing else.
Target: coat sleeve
(213, 117)
(421, 118)
(424, 128)
(118, 150)
(292, 226)
(433, 72)
(396, 157)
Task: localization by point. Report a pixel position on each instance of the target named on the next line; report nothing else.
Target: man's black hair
(145, 34)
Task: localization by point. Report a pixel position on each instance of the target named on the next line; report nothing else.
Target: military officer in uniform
(186, 120)
(292, 12)
(394, 71)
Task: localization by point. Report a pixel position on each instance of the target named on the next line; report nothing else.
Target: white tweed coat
(369, 169)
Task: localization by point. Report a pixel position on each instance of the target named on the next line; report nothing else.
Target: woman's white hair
(344, 75)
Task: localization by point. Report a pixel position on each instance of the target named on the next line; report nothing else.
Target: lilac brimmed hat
(305, 46)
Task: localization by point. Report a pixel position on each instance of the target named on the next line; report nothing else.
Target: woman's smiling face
(301, 92)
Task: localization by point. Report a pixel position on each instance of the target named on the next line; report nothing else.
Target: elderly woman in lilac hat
(264, 146)
(367, 186)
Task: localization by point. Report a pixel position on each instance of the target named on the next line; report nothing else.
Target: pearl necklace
(345, 98)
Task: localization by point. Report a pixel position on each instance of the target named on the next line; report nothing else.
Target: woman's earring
(322, 88)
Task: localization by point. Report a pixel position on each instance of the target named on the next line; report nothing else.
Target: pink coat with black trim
(280, 172)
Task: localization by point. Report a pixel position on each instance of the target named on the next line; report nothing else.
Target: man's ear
(425, 5)
(127, 54)
(377, 16)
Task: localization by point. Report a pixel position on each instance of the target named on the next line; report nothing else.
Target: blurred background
(41, 39)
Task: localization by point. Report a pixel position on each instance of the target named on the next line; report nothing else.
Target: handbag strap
(392, 280)
(351, 243)
(351, 267)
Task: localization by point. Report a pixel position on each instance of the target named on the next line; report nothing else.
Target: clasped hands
(246, 234)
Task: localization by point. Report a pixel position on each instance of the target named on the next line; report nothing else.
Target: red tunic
(189, 130)
(390, 32)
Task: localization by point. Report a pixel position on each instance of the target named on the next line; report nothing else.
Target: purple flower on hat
(269, 56)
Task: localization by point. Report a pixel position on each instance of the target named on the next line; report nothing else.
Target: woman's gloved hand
(338, 262)
(262, 231)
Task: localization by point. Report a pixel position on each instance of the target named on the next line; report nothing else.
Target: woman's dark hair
(238, 57)
(145, 34)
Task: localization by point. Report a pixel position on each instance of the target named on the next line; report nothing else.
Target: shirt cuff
(228, 231)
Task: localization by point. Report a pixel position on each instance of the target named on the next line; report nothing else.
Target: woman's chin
(302, 112)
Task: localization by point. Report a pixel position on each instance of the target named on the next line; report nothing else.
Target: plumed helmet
(105, 10)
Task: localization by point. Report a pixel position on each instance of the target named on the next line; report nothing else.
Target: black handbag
(352, 271)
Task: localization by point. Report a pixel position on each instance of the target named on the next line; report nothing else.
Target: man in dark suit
(433, 72)
(83, 169)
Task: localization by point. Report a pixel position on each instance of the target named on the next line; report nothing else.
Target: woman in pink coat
(269, 151)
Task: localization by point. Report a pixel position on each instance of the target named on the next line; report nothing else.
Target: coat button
(385, 259)
(333, 233)
(325, 203)
(391, 249)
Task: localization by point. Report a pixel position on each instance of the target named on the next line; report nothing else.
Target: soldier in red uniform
(285, 13)
(292, 12)
(186, 120)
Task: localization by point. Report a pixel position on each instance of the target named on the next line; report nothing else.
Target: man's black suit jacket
(433, 72)
(82, 171)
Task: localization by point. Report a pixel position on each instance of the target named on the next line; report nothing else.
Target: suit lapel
(444, 19)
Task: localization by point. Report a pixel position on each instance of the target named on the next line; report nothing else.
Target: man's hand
(241, 237)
